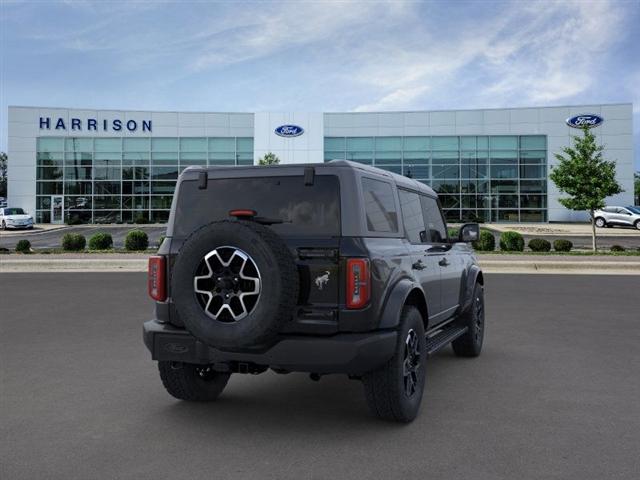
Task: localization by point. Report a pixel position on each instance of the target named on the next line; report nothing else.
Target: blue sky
(318, 56)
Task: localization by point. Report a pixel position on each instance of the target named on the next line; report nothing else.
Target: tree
(3, 174)
(269, 159)
(636, 188)
(585, 177)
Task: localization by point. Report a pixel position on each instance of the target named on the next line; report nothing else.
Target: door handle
(444, 262)
(418, 265)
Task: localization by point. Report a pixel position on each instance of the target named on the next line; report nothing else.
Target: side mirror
(469, 232)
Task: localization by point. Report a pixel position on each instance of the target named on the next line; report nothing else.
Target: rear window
(380, 206)
(312, 210)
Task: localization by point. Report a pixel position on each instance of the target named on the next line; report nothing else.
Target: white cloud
(551, 57)
(528, 54)
(257, 33)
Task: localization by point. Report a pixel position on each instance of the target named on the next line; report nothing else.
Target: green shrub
(101, 241)
(539, 245)
(453, 233)
(23, 246)
(562, 245)
(160, 240)
(73, 242)
(136, 240)
(617, 248)
(486, 242)
(511, 242)
(141, 219)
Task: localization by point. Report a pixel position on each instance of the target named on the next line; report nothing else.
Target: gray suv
(327, 268)
(620, 216)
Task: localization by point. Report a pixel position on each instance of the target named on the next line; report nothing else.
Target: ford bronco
(320, 268)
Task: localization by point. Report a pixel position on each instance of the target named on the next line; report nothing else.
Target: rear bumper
(350, 353)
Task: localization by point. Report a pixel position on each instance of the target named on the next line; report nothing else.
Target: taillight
(358, 282)
(156, 282)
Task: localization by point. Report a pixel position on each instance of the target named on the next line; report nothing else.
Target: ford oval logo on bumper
(289, 131)
(587, 120)
(178, 348)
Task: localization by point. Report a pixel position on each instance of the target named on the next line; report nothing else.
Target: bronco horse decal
(322, 280)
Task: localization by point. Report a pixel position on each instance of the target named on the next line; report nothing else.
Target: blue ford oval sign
(289, 131)
(587, 120)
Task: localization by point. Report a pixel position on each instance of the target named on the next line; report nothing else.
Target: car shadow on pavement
(287, 403)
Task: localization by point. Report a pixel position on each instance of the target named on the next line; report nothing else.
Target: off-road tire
(385, 388)
(279, 284)
(600, 222)
(196, 383)
(470, 344)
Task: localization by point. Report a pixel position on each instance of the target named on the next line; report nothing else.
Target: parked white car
(15, 218)
(621, 216)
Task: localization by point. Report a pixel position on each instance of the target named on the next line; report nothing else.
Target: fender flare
(473, 274)
(390, 317)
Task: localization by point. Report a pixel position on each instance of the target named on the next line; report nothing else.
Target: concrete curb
(566, 267)
(25, 264)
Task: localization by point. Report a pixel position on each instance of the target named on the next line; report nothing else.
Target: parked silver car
(15, 218)
(621, 216)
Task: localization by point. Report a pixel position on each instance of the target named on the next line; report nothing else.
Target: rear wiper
(268, 221)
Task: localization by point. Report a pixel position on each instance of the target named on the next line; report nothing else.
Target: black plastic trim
(350, 353)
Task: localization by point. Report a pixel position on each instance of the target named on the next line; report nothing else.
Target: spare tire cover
(234, 284)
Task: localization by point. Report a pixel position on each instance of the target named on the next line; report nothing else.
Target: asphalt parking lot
(555, 394)
(53, 238)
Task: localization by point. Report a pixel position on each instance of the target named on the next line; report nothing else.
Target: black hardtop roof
(398, 179)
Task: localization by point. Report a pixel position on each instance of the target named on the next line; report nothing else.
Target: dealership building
(107, 166)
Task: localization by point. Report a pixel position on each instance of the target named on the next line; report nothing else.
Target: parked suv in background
(15, 218)
(328, 268)
(621, 216)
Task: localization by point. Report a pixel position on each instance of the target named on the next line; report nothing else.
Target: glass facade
(501, 178)
(109, 180)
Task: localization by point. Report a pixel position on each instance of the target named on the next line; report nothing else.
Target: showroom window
(477, 177)
(123, 179)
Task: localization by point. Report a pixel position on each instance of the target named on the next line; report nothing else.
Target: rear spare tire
(234, 284)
